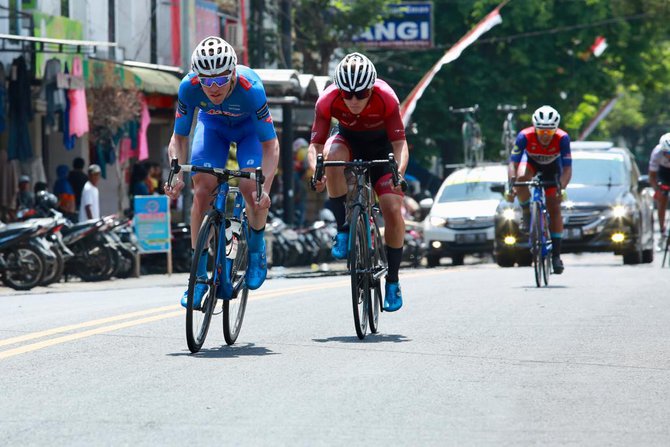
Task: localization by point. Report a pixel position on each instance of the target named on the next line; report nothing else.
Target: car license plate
(572, 233)
(469, 238)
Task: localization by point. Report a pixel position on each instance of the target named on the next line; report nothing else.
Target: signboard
(152, 224)
(407, 25)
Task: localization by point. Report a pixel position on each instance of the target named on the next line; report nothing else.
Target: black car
(609, 209)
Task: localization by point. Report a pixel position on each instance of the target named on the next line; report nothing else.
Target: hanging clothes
(78, 110)
(3, 97)
(51, 93)
(8, 181)
(68, 140)
(145, 120)
(20, 111)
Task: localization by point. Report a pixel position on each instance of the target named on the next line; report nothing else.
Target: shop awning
(100, 73)
(154, 81)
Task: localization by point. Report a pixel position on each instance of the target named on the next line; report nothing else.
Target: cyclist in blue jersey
(232, 108)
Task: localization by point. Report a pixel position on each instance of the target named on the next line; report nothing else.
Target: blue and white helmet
(664, 142)
(213, 56)
(546, 117)
(355, 73)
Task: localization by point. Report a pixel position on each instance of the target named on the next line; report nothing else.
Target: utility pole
(287, 120)
(186, 50)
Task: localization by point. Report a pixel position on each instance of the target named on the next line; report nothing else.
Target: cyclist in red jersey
(369, 128)
(544, 149)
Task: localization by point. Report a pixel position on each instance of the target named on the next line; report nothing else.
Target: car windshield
(598, 171)
(469, 191)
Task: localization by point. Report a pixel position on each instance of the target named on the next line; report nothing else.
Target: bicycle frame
(473, 145)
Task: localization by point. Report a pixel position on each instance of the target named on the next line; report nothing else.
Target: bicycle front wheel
(546, 252)
(536, 243)
(197, 320)
(358, 263)
(379, 267)
(238, 260)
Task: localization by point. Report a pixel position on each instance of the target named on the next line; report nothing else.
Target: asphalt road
(477, 356)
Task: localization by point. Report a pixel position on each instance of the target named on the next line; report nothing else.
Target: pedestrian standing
(90, 198)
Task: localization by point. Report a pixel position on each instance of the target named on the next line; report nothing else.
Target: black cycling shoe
(557, 265)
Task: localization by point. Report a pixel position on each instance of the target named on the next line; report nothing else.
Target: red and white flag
(409, 104)
(599, 45)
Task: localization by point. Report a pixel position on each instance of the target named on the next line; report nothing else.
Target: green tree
(321, 26)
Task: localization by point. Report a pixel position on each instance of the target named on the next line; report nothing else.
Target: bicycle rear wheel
(379, 266)
(358, 264)
(536, 243)
(238, 259)
(197, 320)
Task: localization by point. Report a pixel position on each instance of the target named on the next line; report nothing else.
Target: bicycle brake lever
(318, 172)
(260, 179)
(174, 169)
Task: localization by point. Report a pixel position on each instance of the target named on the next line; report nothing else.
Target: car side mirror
(498, 187)
(426, 204)
(643, 182)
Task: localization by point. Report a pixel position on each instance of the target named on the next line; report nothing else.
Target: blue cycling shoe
(257, 270)
(340, 248)
(393, 297)
(199, 292)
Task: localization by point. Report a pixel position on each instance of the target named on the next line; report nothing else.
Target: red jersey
(382, 112)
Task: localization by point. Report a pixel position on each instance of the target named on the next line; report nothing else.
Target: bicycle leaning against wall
(473, 141)
(509, 131)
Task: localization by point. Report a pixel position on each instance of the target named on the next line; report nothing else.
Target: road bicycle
(665, 245)
(223, 236)
(473, 141)
(367, 261)
(508, 137)
(539, 236)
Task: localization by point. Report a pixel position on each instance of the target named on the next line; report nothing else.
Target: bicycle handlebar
(510, 107)
(221, 173)
(321, 164)
(472, 109)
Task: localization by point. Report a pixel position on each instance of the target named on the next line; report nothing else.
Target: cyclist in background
(545, 149)
(369, 128)
(233, 108)
(659, 178)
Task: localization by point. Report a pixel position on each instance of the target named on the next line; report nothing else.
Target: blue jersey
(247, 103)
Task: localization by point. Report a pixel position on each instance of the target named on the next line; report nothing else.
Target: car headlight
(619, 211)
(437, 221)
(509, 214)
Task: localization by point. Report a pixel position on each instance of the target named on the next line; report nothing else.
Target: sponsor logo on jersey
(195, 80)
(223, 112)
(203, 104)
(263, 112)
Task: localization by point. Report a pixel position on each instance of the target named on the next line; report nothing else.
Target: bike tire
(536, 243)
(546, 238)
(24, 268)
(55, 273)
(358, 266)
(197, 320)
(379, 263)
(234, 308)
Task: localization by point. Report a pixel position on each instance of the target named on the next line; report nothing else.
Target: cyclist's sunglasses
(545, 132)
(359, 95)
(220, 81)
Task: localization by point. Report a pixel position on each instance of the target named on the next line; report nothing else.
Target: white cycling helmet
(213, 56)
(664, 142)
(355, 73)
(546, 117)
